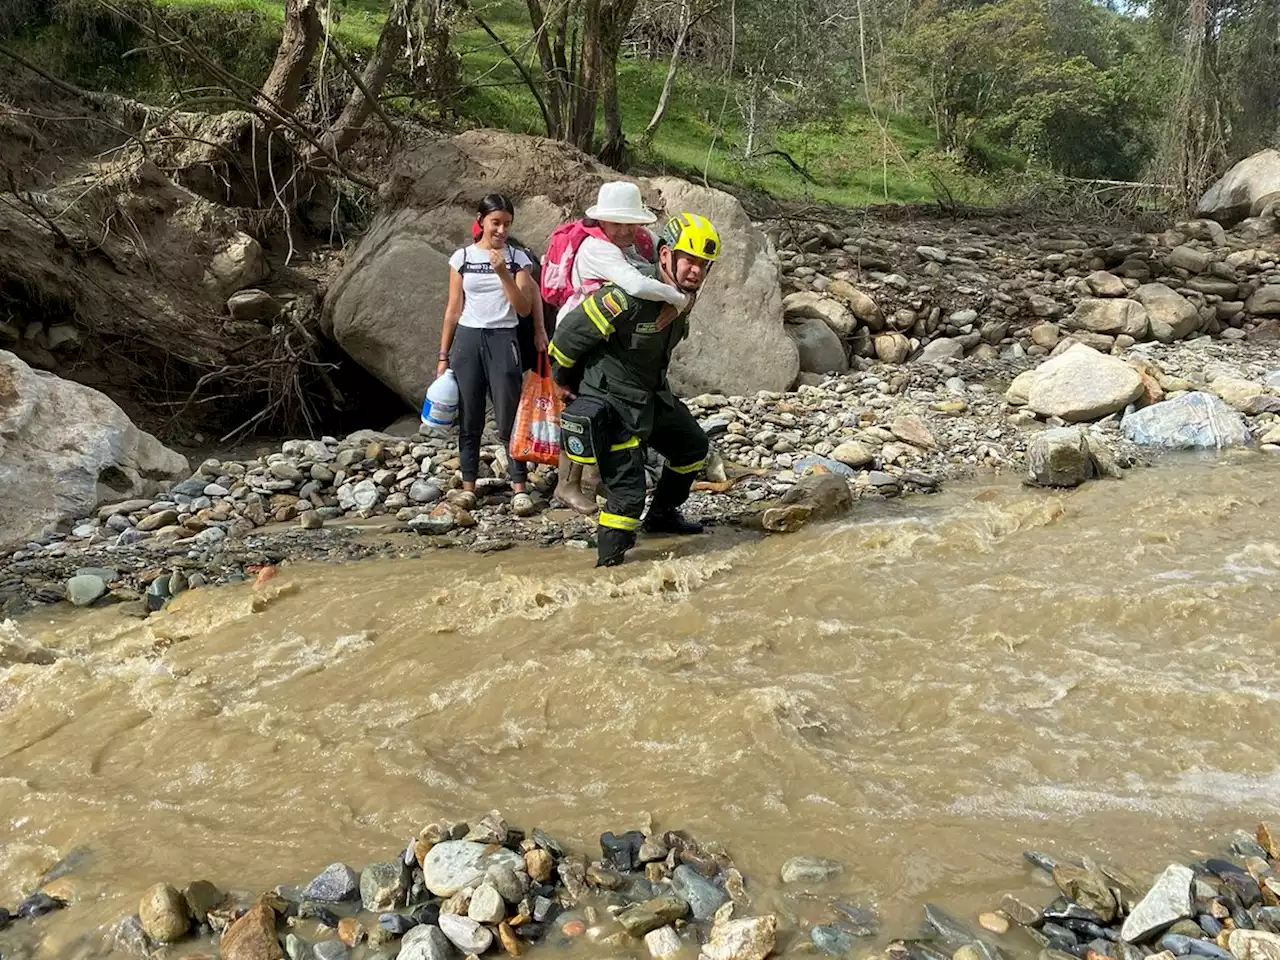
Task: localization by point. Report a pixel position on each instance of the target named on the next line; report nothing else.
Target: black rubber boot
(612, 546)
(664, 509)
(670, 521)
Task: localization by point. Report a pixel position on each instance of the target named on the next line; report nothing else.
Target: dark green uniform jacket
(609, 347)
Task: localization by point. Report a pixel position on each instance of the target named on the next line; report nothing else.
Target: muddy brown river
(921, 692)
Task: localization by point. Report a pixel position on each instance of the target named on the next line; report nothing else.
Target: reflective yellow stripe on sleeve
(558, 355)
(617, 521)
(596, 315)
(625, 445)
(687, 468)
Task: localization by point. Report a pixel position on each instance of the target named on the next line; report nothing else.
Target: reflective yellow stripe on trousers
(687, 468)
(618, 522)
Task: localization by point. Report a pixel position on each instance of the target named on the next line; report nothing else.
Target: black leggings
(487, 364)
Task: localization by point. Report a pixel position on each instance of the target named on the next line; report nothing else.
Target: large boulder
(1067, 457)
(386, 307)
(820, 349)
(1081, 384)
(66, 448)
(737, 344)
(806, 304)
(1110, 316)
(1265, 301)
(1232, 198)
(1172, 315)
(1193, 421)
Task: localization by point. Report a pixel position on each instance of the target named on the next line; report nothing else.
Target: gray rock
(663, 942)
(853, 454)
(1265, 301)
(85, 588)
(428, 525)
(337, 884)
(1168, 901)
(511, 884)
(703, 896)
(284, 470)
(130, 937)
(833, 941)
(940, 351)
(365, 495)
(1082, 384)
(465, 934)
(806, 305)
(1193, 421)
(454, 864)
(487, 905)
(1059, 458)
(1112, 317)
(330, 950)
(426, 942)
(66, 449)
(892, 347)
(383, 886)
(295, 948)
(192, 487)
(1191, 259)
(254, 305)
(818, 496)
(822, 464)
(819, 348)
(810, 870)
(1104, 284)
(1172, 315)
(751, 938)
(642, 918)
(1231, 199)
(424, 491)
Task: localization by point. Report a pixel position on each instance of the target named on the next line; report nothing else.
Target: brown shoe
(591, 483)
(569, 488)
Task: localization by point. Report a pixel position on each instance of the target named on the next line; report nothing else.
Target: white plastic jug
(440, 408)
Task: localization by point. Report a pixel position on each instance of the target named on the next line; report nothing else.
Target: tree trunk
(363, 99)
(669, 84)
(556, 80)
(614, 17)
(302, 30)
(583, 131)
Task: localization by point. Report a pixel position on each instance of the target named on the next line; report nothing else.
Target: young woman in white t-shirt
(490, 287)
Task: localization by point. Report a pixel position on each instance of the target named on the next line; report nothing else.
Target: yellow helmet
(692, 234)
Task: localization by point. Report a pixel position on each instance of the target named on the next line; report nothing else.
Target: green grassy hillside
(852, 159)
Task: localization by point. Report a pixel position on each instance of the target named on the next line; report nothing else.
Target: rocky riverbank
(464, 890)
(995, 288)
(885, 429)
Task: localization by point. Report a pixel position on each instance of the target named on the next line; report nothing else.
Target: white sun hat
(620, 202)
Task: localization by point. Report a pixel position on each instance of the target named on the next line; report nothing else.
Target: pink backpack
(562, 248)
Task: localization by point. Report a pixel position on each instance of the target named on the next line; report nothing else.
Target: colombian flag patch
(615, 301)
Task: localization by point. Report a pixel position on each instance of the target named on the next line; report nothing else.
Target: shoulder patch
(615, 301)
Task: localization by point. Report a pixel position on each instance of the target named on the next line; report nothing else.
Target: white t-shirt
(598, 259)
(484, 303)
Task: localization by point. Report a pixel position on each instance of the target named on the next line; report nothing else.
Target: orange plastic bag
(535, 437)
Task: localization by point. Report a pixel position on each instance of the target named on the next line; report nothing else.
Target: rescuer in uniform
(611, 355)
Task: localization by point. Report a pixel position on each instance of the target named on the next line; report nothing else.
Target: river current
(921, 692)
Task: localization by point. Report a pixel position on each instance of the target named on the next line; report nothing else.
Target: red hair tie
(476, 230)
